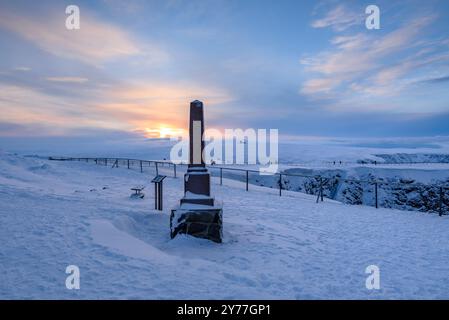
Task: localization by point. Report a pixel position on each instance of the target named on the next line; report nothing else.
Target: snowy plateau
(55, 214)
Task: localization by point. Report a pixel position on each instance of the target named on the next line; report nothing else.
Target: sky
(306, 68)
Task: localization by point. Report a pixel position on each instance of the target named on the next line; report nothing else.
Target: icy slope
(53, 214)
(414, 158)
(399, 188)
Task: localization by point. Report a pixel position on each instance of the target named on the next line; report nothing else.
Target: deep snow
(54, 214)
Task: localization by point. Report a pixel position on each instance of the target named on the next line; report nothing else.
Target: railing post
(106, 162)
(441, 201)
(157, 169)
(247, 178)
(375, 191)
(128, 163)
(174, 169)
(221, 176)
(141, 169)
(280, 184)
(321, 189)
(116, 161)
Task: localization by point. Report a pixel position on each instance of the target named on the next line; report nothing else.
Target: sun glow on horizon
(164, 132)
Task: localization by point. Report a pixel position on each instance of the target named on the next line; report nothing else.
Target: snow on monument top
(197, 103)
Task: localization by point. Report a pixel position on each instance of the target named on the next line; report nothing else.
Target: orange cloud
(159, 108)
(95, 42)
(67, 79)
(153, 109)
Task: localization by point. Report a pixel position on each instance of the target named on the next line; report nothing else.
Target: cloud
(437, 80)
(94, 43)
(13, 129)
(24, 69)
(360, 52)
(360, 67)
(339, 19)
(120, 106)
(130, 7)
(319, 85)
(387, 75)
(150, 105)
(67, 79)
(27, 105)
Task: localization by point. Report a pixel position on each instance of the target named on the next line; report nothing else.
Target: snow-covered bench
(138, 192)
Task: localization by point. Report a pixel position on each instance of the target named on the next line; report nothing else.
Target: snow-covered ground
(55, 214)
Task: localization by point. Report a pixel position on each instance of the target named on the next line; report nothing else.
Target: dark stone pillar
(196, 132)
(197, 178)
(197, 214)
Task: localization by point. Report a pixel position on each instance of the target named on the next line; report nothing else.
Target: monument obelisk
(197, 178)
(198, 214)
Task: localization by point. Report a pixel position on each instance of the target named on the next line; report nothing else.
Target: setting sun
(164, 132)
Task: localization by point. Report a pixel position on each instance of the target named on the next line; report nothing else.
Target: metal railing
(318, 185)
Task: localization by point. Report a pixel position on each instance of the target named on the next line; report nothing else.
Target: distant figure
(340, 161)
(334, 162)
(212, 162)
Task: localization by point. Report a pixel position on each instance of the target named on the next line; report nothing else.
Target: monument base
(197, 199)
(197, 220)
